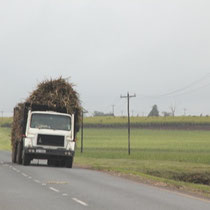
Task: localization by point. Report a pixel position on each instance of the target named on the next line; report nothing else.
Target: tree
(97, 113)
(154, 112)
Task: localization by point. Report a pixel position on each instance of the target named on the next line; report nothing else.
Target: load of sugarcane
(55, 94)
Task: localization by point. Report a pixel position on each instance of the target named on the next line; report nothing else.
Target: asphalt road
(42, 187)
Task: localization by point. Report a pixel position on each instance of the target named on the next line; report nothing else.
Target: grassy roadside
(5, 120)
(178, 159)
(139, 174)
(5, 139)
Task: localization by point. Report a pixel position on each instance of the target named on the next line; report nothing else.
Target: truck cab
(44, 133)
(49, 135)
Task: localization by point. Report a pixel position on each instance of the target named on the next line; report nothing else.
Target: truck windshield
(50, 121)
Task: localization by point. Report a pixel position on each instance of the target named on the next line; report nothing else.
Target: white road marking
(2, 162)
(43, 184)
(29, 177)
(80, 202)
(64, 194)
(25, 175)
(15, 169)
(53, 189)
(5, 165)
(37, 181)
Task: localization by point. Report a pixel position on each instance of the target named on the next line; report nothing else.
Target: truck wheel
(69, 162)
(14, 153)
(26, 159)
(19, 153)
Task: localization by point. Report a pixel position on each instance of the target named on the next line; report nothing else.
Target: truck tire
(69, 162)
(26, 159)
(14, 153)
(19, 153)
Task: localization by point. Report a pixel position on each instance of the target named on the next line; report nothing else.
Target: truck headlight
(68, 138)
(28, 142)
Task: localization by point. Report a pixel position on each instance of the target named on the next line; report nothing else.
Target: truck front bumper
(42, 153)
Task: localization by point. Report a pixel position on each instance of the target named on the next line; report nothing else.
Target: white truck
(46, 134)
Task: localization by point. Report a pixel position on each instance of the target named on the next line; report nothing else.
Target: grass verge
(5, 139)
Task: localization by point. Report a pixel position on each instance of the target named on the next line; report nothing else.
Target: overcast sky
(158, 49)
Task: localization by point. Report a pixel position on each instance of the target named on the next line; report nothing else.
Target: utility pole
(113, 109)
(82, 128)
(2, 114)
(185, 111)
(129, 127)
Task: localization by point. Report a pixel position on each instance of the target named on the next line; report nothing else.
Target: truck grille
(50, 140)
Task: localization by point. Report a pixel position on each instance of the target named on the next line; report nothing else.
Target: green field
(5, 121)
(180, 120)
(5, 139)
(182, 146)
(5, 133)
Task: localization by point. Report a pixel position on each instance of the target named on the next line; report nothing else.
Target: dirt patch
(196, 178)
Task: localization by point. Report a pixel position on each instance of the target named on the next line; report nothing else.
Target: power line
(182, 90)
(192, 90)
(187, 86)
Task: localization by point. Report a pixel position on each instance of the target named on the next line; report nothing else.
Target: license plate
(41, 151)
